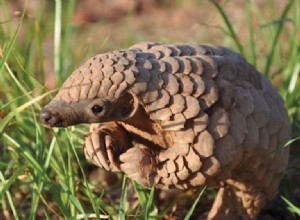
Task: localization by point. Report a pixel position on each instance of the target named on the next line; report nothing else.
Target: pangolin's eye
(97, 109)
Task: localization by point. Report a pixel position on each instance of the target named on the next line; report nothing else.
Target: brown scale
(181, 116)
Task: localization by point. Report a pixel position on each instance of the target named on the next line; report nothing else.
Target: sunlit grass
(43, 171)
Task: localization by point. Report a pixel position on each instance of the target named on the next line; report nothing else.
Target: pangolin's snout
(49, 118)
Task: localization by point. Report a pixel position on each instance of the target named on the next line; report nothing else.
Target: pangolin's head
(96, 92)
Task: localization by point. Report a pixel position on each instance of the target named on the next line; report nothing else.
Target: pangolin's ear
(126, 106)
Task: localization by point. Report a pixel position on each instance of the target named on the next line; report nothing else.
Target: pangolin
(181, 116)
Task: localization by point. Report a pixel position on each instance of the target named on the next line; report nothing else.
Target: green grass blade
(66, 31)
(57, 192)
(36, 192)
(294, 78)
(10, 199)
(70, 174)
(12, 41)
(252, 55)
(190, 212)
(28, 156)
(18, 83)
(291, 206)
(57, 40)
(229, 26)
(151, 210)
(71, 196)
(276, 37)
(291, 141)
(85, 182)
(38, 186)
(11, 115)
(15, 100)
(142, 194)
(50, 152)
(29, 74)
(5, 184)
(122, 208)
(36, 168)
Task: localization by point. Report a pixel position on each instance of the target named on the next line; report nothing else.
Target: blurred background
(43, 173)
(95, 26)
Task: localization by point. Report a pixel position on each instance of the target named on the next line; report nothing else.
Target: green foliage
(291, 206)
(43, 171)
(146, 200)
(190, 212)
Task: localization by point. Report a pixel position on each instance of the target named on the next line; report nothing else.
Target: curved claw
(100, 149)
(88, 150)
(110, 151)
(94, 149)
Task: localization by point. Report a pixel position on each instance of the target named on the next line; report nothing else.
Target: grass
(43, 172)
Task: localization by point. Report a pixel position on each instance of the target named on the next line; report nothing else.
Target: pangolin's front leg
(105, 143)
(109, 146)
